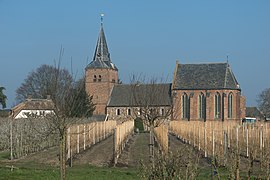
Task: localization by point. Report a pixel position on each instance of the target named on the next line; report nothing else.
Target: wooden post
(199, 138)
(247, 141)
(78, 139)
(213, 142)
(115, 146)
(237, 138)
(11, 139)
(83, 137)
(68, 142)
(205, 141)
(93, 133)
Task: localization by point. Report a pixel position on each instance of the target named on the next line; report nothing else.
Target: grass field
(78, 172)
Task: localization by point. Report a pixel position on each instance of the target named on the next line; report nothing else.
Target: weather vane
(101, 17)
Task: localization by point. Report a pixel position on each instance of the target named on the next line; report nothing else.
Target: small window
(113, 80)
(129, 112)
(117, 112)
(99, 78)
(95, 78)
(162, 112)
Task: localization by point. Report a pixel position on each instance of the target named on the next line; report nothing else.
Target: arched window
(99, 78)
(95, 78)
(129, 111)
(230, 105)
(201, 106)
(217, 105)
(118, 112)
(185, 106)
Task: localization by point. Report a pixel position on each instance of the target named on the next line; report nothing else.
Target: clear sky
(142, 35)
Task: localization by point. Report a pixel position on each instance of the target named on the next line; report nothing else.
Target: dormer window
(95, 78)
(99, 78)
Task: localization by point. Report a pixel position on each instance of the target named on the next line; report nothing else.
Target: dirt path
(135, 151)
(100, 154)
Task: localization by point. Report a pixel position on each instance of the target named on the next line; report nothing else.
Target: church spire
(101, 57)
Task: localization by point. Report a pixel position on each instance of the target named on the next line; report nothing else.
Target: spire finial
(227, 59)
(101, 18)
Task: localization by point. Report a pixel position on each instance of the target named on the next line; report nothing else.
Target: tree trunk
(151, 145)
(63, 155)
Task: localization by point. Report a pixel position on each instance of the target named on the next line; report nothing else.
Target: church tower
(100, 75)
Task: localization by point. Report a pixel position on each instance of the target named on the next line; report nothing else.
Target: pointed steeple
(101, 57)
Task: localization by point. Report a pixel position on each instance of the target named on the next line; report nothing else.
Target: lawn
(79, 172)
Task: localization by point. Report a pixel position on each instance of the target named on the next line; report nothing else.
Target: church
(207, 91)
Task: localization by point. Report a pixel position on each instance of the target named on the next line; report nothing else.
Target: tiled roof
(152, 94)
(205, 76)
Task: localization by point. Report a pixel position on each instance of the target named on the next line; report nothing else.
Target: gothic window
(95, 78)
(185, 106)
(217, 105)
(230, 105)
(99, 78)
(117, 112)
(201, 106)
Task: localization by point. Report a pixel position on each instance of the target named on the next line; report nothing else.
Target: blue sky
(143, 37)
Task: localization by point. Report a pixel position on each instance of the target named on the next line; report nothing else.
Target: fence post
(247, 140)
(78, 139)
(68, 142)
(83, 137)
(205, 141)
(213, 142)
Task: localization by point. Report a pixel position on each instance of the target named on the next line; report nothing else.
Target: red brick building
(198, 92)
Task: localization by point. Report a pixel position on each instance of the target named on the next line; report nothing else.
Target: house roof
(33, 104)
(101, 57)
(127, 95)
(205, 76)
(253, 112)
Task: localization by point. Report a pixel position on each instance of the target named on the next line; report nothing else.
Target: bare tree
(264, 102)
(41, 82)
(71, 103)
(151, 101)
(3, 97)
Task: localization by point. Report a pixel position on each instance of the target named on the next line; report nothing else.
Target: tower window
(95, 78)
(99, 78)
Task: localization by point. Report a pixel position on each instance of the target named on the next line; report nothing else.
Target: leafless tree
(264, 102)
(151, 101)
(71, 103)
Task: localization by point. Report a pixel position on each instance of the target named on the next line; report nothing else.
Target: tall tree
(3, 97)
(70, 100)
(264, 102)
(42, 82)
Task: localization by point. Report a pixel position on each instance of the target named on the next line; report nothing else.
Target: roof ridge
(200, 63)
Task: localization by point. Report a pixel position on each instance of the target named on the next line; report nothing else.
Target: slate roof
(101, 57)
(155, 94)
(204, 76)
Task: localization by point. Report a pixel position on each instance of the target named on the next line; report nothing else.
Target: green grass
(4, 155)
(79, 172)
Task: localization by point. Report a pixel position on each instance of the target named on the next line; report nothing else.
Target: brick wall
(100, 88)
(238, 104)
